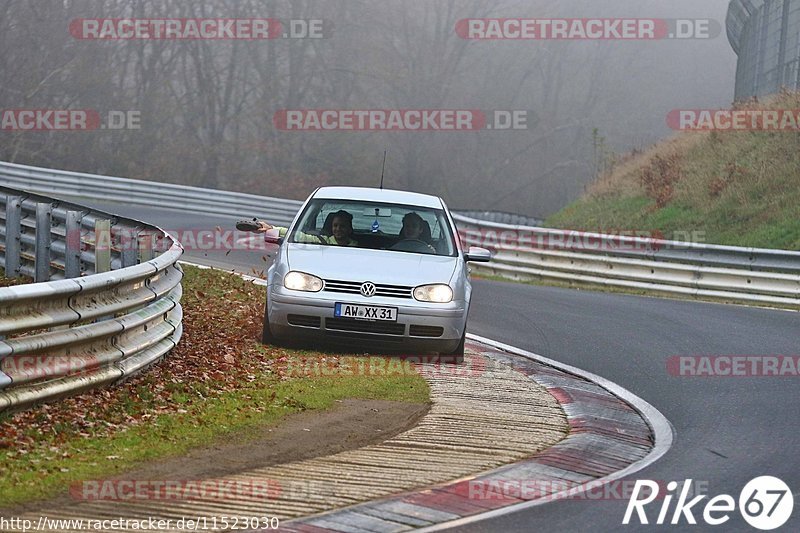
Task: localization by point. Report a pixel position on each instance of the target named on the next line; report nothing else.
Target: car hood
(378, 266)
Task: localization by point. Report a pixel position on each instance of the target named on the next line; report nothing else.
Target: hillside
(740, 188)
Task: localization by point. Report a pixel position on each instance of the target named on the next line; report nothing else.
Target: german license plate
(365, 312)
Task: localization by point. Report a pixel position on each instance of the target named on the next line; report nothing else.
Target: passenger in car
(341, 230)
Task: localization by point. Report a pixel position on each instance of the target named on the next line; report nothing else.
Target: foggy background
(207, 106)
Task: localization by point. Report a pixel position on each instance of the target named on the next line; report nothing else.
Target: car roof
(379, 195)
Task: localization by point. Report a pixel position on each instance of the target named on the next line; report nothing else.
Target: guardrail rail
(148, 193)
(103, 304)
(699, 270)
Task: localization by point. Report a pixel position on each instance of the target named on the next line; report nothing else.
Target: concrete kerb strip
(662, 429)
(589, 458)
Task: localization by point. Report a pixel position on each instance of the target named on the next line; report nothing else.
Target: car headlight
(438, 293)
(300, 281)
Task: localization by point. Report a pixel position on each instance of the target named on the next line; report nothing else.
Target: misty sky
(677, 74)
(207, 107)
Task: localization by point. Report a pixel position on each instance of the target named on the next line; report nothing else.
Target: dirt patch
(350, 425)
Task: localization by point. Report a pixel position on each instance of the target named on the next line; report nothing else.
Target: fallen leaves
(217, 354)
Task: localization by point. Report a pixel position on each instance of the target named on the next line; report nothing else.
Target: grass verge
(219, 384)
(737, 188)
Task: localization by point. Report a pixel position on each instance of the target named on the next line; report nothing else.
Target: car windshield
(376, 226)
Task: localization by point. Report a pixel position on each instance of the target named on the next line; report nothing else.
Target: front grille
(363, 326)
(425, 331)
(304, 321)
(354, 287)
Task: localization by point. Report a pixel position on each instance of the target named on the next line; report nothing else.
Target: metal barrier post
(72, 259)
(13, 227)
(43, 239)
(102, 246)
(145, 246)
(128, 242)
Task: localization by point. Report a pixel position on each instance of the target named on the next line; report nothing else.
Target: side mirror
(478, 255)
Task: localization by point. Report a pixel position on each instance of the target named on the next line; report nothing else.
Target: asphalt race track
(728, 430)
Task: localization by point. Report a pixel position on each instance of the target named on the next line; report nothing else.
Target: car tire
(266, 335)
(457, 355)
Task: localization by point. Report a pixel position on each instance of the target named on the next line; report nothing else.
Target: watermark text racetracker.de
(220, 489)
(399, 119)
(734, 366)
(512, 490)
(25, 367)
(191, 239)
(68, 120)
(240, 488)
(214, 29)
(591, 29)
(602, 239)
(437, 366)
(724, 120)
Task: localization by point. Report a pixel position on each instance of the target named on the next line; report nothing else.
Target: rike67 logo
(765, 503)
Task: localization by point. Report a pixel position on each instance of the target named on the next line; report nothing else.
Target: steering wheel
(413, 245)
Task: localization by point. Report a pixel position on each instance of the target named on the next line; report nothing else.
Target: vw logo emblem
(368, 289)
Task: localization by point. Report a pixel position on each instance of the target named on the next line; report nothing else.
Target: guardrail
(105, 303)
(691, 269)
(148, 193)
(520, 252)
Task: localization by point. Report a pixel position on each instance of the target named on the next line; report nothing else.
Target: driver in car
(413, 228)
(341, 230)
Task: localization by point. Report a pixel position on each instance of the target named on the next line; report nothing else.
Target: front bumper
(419, 327)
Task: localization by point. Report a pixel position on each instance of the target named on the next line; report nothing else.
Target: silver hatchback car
(372, 268)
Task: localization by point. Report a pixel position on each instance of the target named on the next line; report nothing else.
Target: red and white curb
(613, 433)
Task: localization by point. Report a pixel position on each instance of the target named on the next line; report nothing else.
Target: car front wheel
(266, 334)
(457, 355)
